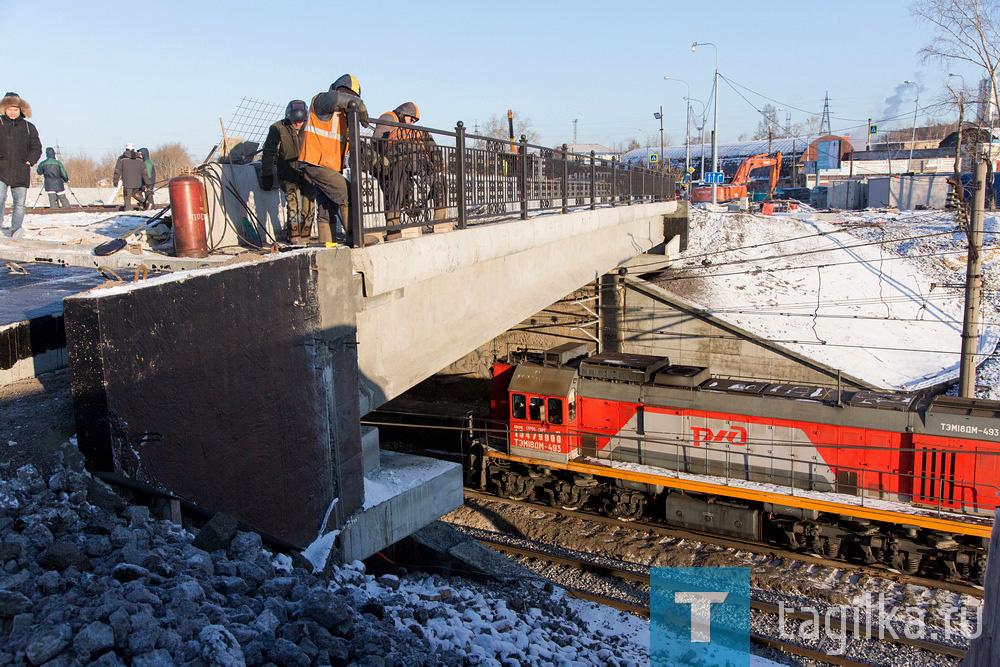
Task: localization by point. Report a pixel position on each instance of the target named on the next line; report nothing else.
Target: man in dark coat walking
(281, 155)
(56, 179)
(20, 148)
(146, 200)
(131, 171)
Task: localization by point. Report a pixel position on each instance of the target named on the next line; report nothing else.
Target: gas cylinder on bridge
(187, 201)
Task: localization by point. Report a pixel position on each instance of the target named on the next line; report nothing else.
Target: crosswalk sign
(653, 157)
(873, 129)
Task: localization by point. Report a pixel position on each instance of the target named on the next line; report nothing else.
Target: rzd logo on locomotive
(736, 435)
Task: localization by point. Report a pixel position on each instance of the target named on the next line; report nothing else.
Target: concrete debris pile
(87, 579)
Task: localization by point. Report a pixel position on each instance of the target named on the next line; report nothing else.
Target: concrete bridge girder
(431, 300)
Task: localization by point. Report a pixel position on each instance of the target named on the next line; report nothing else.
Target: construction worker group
(305, 153)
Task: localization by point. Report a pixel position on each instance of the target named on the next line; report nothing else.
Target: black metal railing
(422, 177)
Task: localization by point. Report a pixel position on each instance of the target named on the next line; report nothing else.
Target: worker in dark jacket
(131, 171)
(281, 155)
(146, 193)
(20, 148)
(56, 178)
(324, 148)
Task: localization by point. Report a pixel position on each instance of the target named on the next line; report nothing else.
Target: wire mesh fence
(252, 118)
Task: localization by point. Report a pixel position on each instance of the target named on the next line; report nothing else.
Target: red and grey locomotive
(906, 480)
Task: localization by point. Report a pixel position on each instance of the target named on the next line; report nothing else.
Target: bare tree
(83, 170)
(169, 160)
(966, 31)
(496, 127)
(768, 125)
(626, 145)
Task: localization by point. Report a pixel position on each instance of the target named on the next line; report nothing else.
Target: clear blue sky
(100, 74)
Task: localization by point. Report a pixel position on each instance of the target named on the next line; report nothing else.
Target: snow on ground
(861, 301)
(80, 228)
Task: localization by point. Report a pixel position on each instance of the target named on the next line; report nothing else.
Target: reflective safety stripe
(325, 133)
(324, 142)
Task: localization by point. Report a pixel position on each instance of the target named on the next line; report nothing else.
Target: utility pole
(868, 137)
(824, 123)
(575, 121)
(973, 286)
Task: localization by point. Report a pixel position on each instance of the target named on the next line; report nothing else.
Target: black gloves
(363, 114)
(266, 182)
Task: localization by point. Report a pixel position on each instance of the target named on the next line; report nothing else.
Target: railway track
(936, 648)
(744, 545)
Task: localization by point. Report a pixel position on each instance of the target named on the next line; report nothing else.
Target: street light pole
(701, 134)
(715, 124)
(659, 116)
(913, 133)
(958, 145)
(687, 129)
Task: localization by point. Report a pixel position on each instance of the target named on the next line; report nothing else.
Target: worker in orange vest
(324, 147)
(407, 153)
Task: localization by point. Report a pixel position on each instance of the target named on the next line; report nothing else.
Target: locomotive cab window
(517, 404)
(536, 409)
(555, 411)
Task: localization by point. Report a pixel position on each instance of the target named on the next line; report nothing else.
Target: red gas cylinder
(187, 202)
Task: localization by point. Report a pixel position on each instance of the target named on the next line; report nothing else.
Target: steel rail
(838, 625)
(663, 530)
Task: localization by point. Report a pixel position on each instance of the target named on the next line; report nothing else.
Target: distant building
(799, 155)
(600, 150)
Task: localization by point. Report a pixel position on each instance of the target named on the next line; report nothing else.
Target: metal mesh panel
(252, 118)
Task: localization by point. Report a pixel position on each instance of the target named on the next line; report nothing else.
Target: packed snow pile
(87, 579)
(871, 303)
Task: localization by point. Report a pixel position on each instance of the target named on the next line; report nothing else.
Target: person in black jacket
(20, 148)
(146, 198)
(56, 179)
(131, 171)
(281, 155)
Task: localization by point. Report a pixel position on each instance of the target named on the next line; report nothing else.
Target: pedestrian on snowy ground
(146, 193)
(56, 179)
(20, 148)
(131, 171)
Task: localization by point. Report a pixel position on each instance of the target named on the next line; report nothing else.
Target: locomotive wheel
(626, 505)
(830, 547)
(515, 486)
(565, 498)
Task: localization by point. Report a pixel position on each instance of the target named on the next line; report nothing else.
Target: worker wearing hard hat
(402, 154)
(324, 146)
(281, 156)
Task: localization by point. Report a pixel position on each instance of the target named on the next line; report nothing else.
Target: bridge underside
(230, 386)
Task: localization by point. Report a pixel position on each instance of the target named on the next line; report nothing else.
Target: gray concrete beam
(429, 301)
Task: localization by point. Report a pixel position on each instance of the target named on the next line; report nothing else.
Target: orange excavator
(737, 187)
